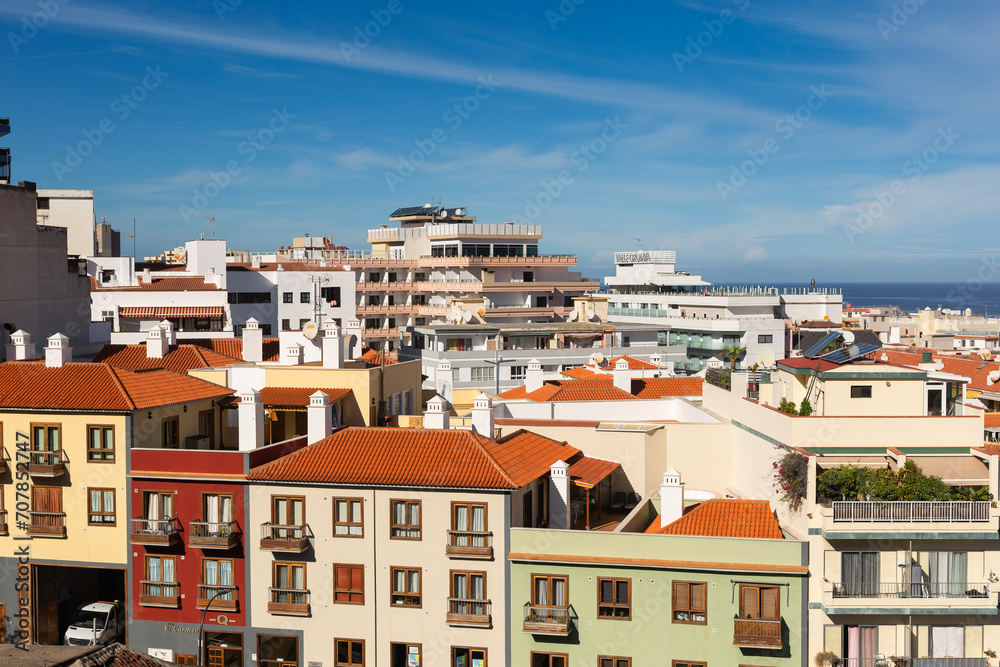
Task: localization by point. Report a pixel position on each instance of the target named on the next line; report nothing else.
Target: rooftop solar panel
(415, 210)
(846, 354)
(814, 351)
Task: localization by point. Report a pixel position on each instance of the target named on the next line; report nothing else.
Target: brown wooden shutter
(681, 596)
(750, 599)
(769, 603)
(698, 594)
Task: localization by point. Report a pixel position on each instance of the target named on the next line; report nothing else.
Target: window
(286, 297)
(548, 591)
(348, 584)
(614, 599)
(765, 338)
(347, 521)
(471, 657)
(541, 302)
(404, 655)
(43, 204)
(171, 432)
(46, 438)
(456, 375)
(759, 602)
(861, 391)
(482, 373)
(613, 661)
(303, 297)
(249, 297)
(549, 660)
(216, 510)
(468, 593)
(216, 576)
(331, 295)
(373, 300)
(107, 316)
(277, 651)
(206, 426)
(469, 522)
(288, 577)
(373, 278)
(288, 510)
(157, 505)
(518, 372)
(349, 653)
(286, 325)
(686, 663)
(101, 444)
(690, 602)
(160, 570)
(859, 572)
(405, 520)
(101, 507)
(405, 587)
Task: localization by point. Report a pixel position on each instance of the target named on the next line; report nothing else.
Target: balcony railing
(547, 620)
(896, 661)
(292, 601)
(160, 594)
(470, 544)
(757, 632)
(226, 599)
(284, 538)
(468, 612)
(47, 524)
(3, 523)
(156, 532)
(914, 511)
(44, 463)
(207, 535)
(893, 589)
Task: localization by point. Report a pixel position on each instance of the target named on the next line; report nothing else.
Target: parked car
(96, 623)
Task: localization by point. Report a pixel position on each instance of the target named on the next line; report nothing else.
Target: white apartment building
(704, 318)
(73, 210)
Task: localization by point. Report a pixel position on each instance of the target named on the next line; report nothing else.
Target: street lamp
(201, 627)
(497, 361)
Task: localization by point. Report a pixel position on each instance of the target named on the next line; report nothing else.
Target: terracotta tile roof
(296, 397)
(605, 393)
(589, 472)
(726, 517)
(581, 373)
(160, 312)
(979, 378)
(233, 347)
(634, 363)
(159, 284)
(374, 358)
(118, 655)
(991, 420)
(416, 457)
(990, 448)
(179, 359)
(819, 324)
(647, 388)
(603, 389)
(97, 386)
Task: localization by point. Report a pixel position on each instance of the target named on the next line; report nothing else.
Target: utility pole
(497, 360)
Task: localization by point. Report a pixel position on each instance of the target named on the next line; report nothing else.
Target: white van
(95, 623)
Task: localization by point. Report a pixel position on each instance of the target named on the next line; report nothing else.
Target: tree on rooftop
(732, 354)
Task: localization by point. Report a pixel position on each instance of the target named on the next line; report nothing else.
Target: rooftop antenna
(638, 243)
(132, 236)
(212, 218)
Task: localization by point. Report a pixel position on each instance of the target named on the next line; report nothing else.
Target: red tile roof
(646, 388)
(979, 378)
(374, 358)
(602, 388)
(991, 420)
(179, 359)
(160, 312)
(589, 472)
(97, 386)
(296, 397)
(634, 363)
(159, 284)
(417, 457)
(582, 373)
(725, 517)
(233, 347)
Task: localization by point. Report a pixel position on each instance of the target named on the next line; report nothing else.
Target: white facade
(73, 210)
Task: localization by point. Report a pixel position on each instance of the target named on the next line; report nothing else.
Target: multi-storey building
(72, 210)
(706, 319)
(67, 431)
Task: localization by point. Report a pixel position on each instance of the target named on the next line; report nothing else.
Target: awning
(589, 472)
(157, 312)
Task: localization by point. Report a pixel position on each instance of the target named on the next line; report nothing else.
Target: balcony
(284, 538)
(3, 523)
(226, 598)
(207, 535)
(896, 661)
(290, 601)
(547, 620)
(44, 463)
(895, 589)
(160, 594)
(469, 544)
(47, 524)
(757, 633)
(911, 511)
(468, 612)
(156, 532)
(902, 597)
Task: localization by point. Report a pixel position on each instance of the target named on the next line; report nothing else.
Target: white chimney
(320, 417)
(147, 276)
(482, 415)
(443, 379)
(437, 415)
(253, 341)
(291, 355)
(157, 344)
(559, 496)
(255, 262)
(622, 377)
(533, 377)
(333, 346)
(20, 346)
(58, 353)
(251, 417)
(169, 332)
(656, 359)
(354, 334)
(671, 498)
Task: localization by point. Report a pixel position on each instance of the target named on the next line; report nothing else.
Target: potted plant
(826, 659)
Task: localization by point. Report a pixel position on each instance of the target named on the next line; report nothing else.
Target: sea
(983, 297)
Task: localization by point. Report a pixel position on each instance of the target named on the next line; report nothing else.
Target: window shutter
(751, 601)
(681, 599)
(770, 603)
(698, 602)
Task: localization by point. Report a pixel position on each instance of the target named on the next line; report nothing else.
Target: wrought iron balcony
(284, 538)
(156, 532)
(291, 601)
(208, 535)
(469, 544)
(547, 620)
(895, 589)
(45, 463)
(160, 594)
(47, 524)
(226, 600)
(468, 612)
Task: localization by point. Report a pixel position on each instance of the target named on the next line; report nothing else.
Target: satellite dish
(466, 317)
(574, 316)
(848, 337)
(444, 213)
(993, 377)
(310, 330)
(766, 357)
(427, 205)
(458, 211)
(598, 358)
(590, 313)
(985, 355)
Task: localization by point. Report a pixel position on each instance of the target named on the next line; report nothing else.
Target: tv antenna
(212, 218)
(638, 243)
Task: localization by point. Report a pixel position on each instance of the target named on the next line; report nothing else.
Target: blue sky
(775, 142)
